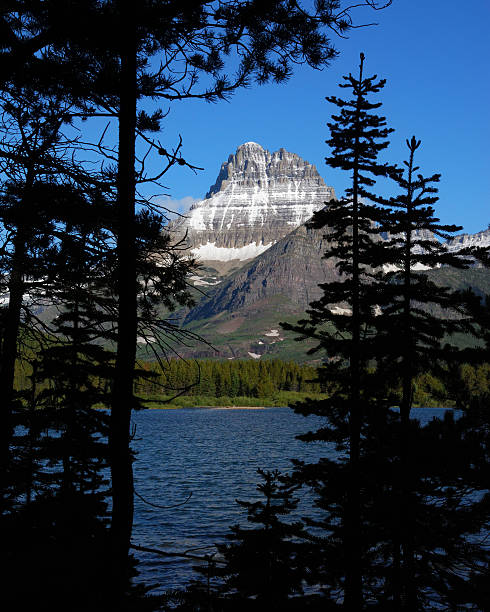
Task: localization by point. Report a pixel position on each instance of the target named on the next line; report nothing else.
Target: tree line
(247, 378)
(231, 378)
(262, 379)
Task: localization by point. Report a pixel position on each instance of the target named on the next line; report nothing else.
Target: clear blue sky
(434, 55)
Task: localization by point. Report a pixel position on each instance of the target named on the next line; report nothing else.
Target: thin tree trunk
(9, 355)
(352, 535)
(410, 600)
(122, 388)
(69, 403)
(32, 436)
(396, 574)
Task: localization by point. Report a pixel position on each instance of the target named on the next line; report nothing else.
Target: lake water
(213, 454)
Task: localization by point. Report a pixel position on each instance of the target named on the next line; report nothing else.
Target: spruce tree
(342, 319)
(58, 504)
(263, 563)
(422, 500)
(424, 317)
(260, 567)
(33, 155)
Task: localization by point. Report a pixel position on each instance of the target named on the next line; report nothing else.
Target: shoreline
(170, 407)
(236, 407)
(164, 406)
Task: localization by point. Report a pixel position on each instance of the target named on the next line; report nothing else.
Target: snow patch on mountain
(197, 280)
(273, 333)
(417, 267)
(211, 252)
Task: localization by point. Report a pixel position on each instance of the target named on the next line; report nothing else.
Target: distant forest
(264, 379)
(246, 378)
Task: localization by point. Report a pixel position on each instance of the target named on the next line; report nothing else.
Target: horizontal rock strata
(257, 199)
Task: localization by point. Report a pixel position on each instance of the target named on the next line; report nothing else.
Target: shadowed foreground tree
(411, 302)
(263, 564)
(342, 320)
(55, 533)
(260, 567)
(36, 183)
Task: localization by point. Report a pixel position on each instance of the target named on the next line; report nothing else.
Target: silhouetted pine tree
(60, 522)
(32, 152)
(261, 567)
(423, 501)
(263, 564)
(423, 338)
(342, 320)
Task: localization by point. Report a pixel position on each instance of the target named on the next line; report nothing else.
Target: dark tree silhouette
(261, 566)
(424, 317)
(263, 563)
(32, 150)
(342, 320)
(57, 515)
(419, 505)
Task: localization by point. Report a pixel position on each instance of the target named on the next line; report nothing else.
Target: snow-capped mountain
(454, 245)
(480, 239)
(258, 198)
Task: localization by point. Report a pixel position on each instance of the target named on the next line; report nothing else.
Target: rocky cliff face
(257, 199)
(480, 239)
(291, 269)
(454, 245)
(419, 234)
(289, 272)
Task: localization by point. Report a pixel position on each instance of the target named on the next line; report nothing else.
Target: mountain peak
(251, 164)
(250, 145)
(258, 198)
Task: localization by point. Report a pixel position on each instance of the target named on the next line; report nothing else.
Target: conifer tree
(263, 563)
(62, 511)
(33, 154)
(260, 567)
(423, 344)
(342, 320)
(419, 510)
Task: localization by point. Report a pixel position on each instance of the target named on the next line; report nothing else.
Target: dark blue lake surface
(213, 454)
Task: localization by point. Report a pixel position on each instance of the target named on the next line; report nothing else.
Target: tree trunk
(122, 387)
(9, 355)
(352, 537)
(410, 599)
